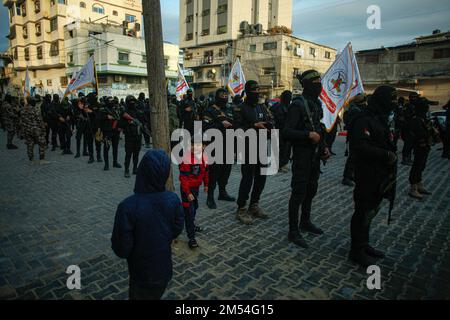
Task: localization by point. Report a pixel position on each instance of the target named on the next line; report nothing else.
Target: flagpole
(96, 78)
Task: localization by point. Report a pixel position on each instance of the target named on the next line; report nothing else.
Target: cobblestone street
(62, 214)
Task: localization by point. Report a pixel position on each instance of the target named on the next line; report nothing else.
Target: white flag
(236, 80)
(27, 86)
(340, 83)
(84, 78)
(182, 85)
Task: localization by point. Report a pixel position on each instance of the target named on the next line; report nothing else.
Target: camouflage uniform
(10, 117)
(33, 130)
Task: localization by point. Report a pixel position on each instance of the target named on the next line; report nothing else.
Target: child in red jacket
(193, 172)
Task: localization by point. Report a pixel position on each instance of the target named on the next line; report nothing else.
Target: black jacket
(298, 126)
(371, 141)
(280, 111)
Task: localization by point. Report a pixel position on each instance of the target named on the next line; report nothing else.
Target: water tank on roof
(244, 27)
(258, 28)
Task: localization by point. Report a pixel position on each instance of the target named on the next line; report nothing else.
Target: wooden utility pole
(156, 78)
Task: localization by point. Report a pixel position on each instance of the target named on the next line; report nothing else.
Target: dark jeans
(305, 178)
(218, 175)
(139, 292)
(360, 224)
(349, 170)
(419, 164)
(65, 136)
(407, 146)
(54, 136)
(9, 137)
(110, 139)
(88, 141)
(190, 211)
(132, 150)
(251, 177)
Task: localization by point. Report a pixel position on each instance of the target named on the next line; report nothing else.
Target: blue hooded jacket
(147, 222)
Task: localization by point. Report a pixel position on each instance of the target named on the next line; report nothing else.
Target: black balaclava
(8, 98)
(141, 96)
(310, 88)
(189, 94)
(131, 102)
(413, 97)
(421, 107)
(32, 101)
(252, 92)
(47, 98)
(384, 100)
(56, 98)
(221, 97)
(286, 97)
(109, 102)
(401, 101)
(237, 100)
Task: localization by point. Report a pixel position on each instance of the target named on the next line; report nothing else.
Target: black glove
(392, 158)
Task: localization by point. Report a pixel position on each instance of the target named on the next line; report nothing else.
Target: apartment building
(120, 59)
(208, 29)
(422, 66)
(37, 34)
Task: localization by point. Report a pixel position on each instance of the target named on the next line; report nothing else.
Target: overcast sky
(334, 22)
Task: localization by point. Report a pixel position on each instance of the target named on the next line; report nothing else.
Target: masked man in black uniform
(189, 112)
(251, 115)
(307, 135)
(217, 116)
(279, 112)
(110, 116)
(63, 111)
(144, 107)
(375, 165)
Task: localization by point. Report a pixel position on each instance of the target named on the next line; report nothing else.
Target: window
(443, 53)
(49, 82)
(27, 54)
(372, 58)
(23, 7)
(327, 55)
(222, 30)
(268, 71)
(296, 72)
(406, 56)
(312, 51)
(189, 36)
(222, 8)
(98, 9)
(221, 53)
(130, 18)
(115, 13)
(199, 74)
(144, 58)
(208, 57)
(16, 54)
(18, 10)
(37, 6)
(37, 26)
(71, 33)
(70, 58)
(124, 57)
(12, 32)
(269, 46)
(205, 32)
(53, 24)
(54, 48)
(39, 52)
(189, 18)
(62, 1)
(63, 81)
(25, 32)
(166, 62)
(83, 5)
(252, 48)
(206, 12)
(102, 80)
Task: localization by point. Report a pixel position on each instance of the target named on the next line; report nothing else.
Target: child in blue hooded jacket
(146, 223)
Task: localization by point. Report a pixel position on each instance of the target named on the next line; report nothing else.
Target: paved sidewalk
(62, 214)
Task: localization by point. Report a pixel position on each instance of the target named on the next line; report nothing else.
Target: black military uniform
(446, 133)
(279, 112)
(52, 118)
(144, 108)
(422, 137)
(358, 104)
(375, 168)
(189, 112)
(63, 112)
(217, 116)
(132, 123)
(46, 107)
(110, 115)
(307, 136)
(251, 115)
(202, 106)
(83, 117)
(407, 113)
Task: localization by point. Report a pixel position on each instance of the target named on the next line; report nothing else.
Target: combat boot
(422, 189)
(91, 160)
(117, 165)
(99, 158)
(12, 146)
(348, 182)
(255, 211)
(311, 228)
(297, 239)
(127, 173)
(406, 161)
(77, 155)
(414, 192)
(374, 253)
(223, 195)
(359, 256)
(210, 202)
(243, 216)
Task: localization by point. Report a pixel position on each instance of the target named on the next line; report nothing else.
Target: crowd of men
(374, 125)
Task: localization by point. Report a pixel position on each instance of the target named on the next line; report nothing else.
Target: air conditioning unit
(258, 28)
(244, 27)
(299, 51)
